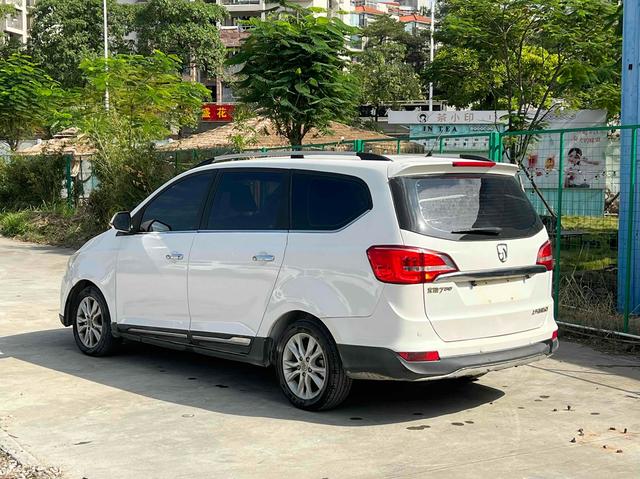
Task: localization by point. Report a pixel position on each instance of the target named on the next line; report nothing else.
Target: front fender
(95, 262)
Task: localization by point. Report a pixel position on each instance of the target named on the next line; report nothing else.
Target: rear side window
(251, 200)
(465, 207)
(327, 201)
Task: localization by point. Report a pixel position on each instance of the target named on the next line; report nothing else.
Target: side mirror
(121, 221)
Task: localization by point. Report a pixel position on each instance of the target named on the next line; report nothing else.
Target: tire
(92, 323)
(304, 386)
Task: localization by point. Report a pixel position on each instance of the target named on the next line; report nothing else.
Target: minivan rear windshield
(466, 207)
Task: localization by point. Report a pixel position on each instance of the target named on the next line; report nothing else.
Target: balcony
(19, 3)
(14, 23)
(240, 2)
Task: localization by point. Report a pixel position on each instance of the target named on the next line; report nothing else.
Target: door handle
(174, 256)
(264, 257)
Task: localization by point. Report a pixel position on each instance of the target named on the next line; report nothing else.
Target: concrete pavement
(154, 413)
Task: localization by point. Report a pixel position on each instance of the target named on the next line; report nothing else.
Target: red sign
(216, 112)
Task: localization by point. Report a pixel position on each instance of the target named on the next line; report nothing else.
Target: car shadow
(229, 387)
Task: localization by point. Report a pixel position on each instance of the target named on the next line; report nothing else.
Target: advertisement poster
(584, 151)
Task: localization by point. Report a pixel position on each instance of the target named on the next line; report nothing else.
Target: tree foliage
(6, 9)
(185, 28)
(384, 77)
(293, 69)
(524, 56)
(28, 98)
(416, 45)
(384, 29)
(147, 96)
(31, 181)
(148, 100)
(65, 32)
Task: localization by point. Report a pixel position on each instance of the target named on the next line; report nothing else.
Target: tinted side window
(327, 201)
(178, 208)
(251, 200)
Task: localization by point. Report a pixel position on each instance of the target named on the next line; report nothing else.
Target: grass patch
(598, 224)
(588, 243)
(55, 225)
(14, 223)
(588, 253)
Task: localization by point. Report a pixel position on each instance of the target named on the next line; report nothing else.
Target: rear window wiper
(495, 230)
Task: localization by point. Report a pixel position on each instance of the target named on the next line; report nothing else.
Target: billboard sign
(217, 112)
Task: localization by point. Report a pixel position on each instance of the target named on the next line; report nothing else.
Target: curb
(11, 447)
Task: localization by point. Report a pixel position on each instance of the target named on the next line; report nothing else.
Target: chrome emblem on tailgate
(502, 252)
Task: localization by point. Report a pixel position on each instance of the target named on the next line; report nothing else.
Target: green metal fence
(573, 178)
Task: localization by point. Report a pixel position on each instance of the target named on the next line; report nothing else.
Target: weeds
(53, 224)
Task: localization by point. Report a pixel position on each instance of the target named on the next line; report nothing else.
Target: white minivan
(328, 266)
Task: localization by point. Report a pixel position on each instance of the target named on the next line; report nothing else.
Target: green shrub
(54, 225)
(126, 176)
(14, 223)
(31, 181)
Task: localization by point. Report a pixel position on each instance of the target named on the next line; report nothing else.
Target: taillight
(420, 356)
(554, 335)
(408, 265)
(545, 256)
(474, 164)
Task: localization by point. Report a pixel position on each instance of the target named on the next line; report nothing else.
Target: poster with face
(584, 151)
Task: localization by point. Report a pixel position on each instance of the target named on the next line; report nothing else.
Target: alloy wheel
(304, 366)
(89, 321)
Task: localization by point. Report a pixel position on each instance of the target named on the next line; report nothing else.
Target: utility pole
(431, 51)
(106, 50)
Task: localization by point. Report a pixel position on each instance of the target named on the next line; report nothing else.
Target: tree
(147, 97)
(386, 29)
(384, 77)
(64, 32)
(523, 56)
(10, 45)
(185, 28)
(461, 79)
(28, 98)
(294, 70)
(148, 100)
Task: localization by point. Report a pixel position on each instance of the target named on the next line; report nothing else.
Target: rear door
(236, 258)
(485, 223)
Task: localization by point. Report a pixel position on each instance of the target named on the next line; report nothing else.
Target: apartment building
(18, 24)
(244, 9)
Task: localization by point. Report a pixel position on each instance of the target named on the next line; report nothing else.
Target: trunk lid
(486, 225)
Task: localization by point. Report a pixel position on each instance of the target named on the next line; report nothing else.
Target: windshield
(466, 207)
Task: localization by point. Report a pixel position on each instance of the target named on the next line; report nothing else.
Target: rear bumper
(363, 362)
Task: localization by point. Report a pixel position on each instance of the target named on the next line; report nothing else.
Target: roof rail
(296, 154)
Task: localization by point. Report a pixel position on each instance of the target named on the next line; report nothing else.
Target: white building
(17, 25)
(245, 9)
